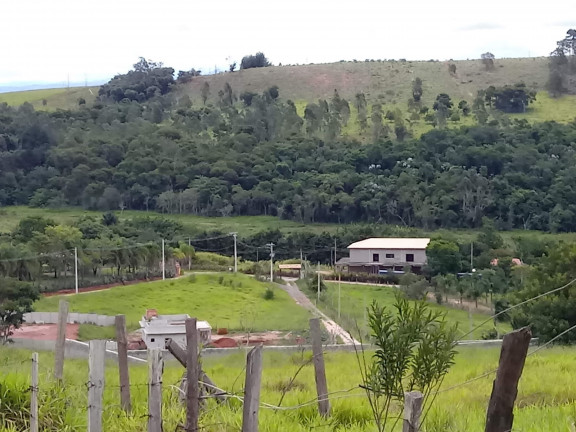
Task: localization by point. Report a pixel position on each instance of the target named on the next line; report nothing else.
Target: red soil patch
(99, 287)
(225, 343)
(45, 332)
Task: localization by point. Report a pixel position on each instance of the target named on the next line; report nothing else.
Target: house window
(409, 257)
(152, 339)
(389, 255)
(375, 257)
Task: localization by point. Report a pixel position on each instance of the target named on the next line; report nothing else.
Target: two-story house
(385, 255)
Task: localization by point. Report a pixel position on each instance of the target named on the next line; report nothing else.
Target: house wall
(365, 256)
(160, 340)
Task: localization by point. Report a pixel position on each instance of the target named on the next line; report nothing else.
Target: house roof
(391, 243)
(290, 266)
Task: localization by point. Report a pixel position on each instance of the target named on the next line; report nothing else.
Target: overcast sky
(51, 40)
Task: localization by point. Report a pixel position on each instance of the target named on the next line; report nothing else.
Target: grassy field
(545, 399)
(244, 225)
(58, 98)
(232, 301)
(355, 299)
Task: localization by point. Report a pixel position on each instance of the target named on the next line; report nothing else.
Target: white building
(156, 330)
(385, 255)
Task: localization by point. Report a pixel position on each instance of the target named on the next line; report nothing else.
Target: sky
(76, 40)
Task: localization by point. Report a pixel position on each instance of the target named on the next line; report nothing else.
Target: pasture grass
(545, 399)
(356, 298)
(232, 301)
(57, 98)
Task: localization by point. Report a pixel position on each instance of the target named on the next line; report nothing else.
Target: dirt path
(331, 326)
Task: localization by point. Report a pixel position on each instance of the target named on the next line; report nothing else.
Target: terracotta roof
(290, 266)
(391, 243)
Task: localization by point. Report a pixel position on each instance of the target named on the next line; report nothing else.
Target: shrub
(269, 294)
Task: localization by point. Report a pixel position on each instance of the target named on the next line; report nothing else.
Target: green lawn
(355, 299)
(232, 301)
(545, 401)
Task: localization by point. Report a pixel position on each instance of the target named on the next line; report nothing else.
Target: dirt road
(331, 326)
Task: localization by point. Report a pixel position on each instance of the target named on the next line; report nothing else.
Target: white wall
(160, 340)
(365, 256)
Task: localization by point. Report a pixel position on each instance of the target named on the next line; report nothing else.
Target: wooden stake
(155, 369)
(319, 368)
(412, 411)
(180, 355)
(252, 390)
(499, 417)
(34, 395)
(192, 367)
(60, 340)
(122, 342)
(96, 384)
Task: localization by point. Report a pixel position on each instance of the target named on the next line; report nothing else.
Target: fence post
(192, 375)
(319, 368)
(97, 353)
(412, 410)
(122, 343)
(60, 340)
(252, 390)
(34, 395)
(155, 368)
(499, 416)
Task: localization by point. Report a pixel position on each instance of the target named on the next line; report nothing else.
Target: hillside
(57, 98)
(387, 82)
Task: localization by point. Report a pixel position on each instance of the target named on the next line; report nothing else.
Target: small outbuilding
(157, 329)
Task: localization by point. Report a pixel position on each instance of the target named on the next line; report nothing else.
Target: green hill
(58, 98)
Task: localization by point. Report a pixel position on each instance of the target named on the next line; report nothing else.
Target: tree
(361, 108)
(510, 99)
(232, 67)
(205, 92)
(16, 299)
(414, 351)
(417, 89)
(29, 226)
(488, 60)
(452, 69)
(443, 257)
(443, 108)
(254, 61)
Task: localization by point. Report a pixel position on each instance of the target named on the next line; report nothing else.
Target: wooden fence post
(97, 352)
(412, 410)
(34, 395)
(122, 344)
(60, 340)
(252, 390)
(499, 416)
(155, 369)
(192, 375)
(319, 368)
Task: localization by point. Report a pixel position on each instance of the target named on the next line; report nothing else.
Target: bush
(490, 334)
(269, 294)
(438, 297)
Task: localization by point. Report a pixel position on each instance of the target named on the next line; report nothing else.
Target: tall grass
(545, 402)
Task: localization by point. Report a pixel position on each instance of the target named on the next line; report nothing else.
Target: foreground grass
(542, 404)
(224, 300)
(355, 299)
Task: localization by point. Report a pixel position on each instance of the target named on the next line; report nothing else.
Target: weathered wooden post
(34, 395)
(97, 352)
(319, 368)
(192, 367)
(122, 343)
(60, 340)
(500, 417)
(252, 390)
(412, 410)
(155, 369)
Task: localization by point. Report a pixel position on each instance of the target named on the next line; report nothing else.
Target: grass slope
(244, 225)
(355, 299)
(232, 301)
(59, 98)
(545, 399)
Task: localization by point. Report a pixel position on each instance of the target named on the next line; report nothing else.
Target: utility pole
(471, 255)
(235, 253)
(301, 264)
(76, 268)
(189, 256)
(339, 293)
(163, 262)
(271, 246)
(334, 253)
(318, 271)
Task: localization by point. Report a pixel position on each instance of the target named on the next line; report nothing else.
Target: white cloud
(49, 41)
